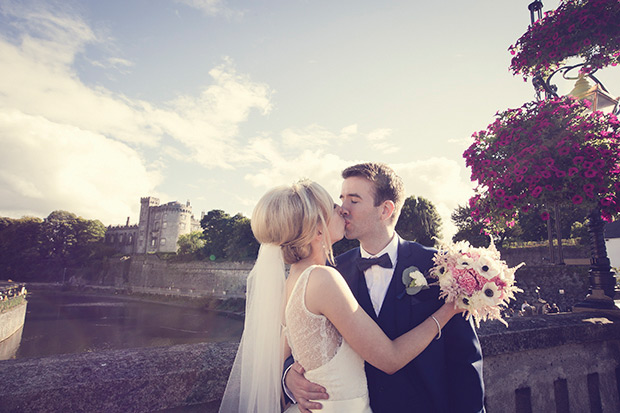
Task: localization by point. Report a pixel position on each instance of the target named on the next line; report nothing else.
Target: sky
(215, 102)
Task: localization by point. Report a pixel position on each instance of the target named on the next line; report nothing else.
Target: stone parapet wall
(562, 362)
(564, 285)
(542, 256)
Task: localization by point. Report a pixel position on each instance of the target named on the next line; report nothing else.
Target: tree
(228, 237)
(89, 235)
(58, 236)
(190, 244)
(67, 239)
(469, 229)
(19, 246)
(419, 221)
(345, 245)
(241, 245)
(217, 228)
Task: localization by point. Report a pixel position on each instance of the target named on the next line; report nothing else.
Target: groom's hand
(303, 390)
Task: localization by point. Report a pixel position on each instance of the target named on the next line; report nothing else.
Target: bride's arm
(327, 293)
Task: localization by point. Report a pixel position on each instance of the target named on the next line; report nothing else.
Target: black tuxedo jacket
(447, 376)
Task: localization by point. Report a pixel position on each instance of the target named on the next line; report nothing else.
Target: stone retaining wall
(554, 363)
(564, 285)
(12, 320)
(149, 274)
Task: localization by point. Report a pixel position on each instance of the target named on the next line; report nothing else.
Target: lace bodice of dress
(313, 338)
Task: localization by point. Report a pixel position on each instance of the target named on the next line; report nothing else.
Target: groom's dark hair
(388, 185)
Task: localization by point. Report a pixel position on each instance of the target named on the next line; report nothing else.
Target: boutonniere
(414, 280)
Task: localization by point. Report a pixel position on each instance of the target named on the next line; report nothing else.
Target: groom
(447, 376)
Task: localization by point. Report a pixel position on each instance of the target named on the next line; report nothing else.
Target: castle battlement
(134, 226)
(155, 232)
(149, 199)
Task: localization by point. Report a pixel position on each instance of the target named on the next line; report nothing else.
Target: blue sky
(102, 102)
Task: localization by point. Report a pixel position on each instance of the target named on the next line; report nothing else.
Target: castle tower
(146, 203)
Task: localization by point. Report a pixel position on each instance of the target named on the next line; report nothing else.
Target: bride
(311, 313)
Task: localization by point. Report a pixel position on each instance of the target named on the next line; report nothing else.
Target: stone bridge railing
(555, 363)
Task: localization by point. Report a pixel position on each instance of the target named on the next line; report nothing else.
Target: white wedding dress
(325, 356)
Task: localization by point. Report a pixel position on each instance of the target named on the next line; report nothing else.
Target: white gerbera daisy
(487, 267)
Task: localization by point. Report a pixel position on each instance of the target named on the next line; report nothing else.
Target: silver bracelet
(438, 328)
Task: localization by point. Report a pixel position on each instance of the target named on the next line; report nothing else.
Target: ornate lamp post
(602, 280)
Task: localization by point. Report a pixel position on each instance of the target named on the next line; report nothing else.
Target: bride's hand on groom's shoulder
(303, 390)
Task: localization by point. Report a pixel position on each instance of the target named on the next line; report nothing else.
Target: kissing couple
(348, 336)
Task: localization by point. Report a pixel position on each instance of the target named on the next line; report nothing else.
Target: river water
(61, 323)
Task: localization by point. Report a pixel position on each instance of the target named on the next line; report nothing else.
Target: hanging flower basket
(550, 152)
(589, 29)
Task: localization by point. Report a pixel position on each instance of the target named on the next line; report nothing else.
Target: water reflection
(60, 323)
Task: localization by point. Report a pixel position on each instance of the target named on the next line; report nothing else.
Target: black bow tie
(365, 263)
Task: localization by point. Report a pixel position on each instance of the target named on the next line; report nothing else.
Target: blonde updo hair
(291, 216)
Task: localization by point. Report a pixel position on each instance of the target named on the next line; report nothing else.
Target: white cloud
(379, 142)
(315, 136)
(36, 77)
(208, 125)
(441, 181)
(96, 164)
(47, 166)
(280, 169)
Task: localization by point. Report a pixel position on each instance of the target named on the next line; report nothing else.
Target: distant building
(158, 229)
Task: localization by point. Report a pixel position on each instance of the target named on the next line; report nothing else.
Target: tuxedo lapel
(357, 282)
(363, 296)
(395, 311)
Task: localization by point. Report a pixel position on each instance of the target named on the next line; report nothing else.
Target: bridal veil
(254, 384)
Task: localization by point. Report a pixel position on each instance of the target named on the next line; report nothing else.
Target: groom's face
(361, 215)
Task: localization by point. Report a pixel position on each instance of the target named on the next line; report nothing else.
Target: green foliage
(469, 229)
(419, 221)
(241, 245)
(525, 227)
(6, 305)
(344, 245)
(29, 245)
(228, 237)
(190, 244)
(216, 227)
(69, 239)
(579, 230)
(19, 245)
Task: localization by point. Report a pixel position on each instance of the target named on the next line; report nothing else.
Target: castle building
(158, 228)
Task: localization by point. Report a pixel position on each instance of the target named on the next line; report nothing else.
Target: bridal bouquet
(476, 279)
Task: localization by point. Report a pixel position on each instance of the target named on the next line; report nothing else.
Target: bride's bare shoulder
(325, 289)
(323, 276)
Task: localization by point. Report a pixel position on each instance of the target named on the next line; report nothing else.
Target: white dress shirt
(378, 278)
